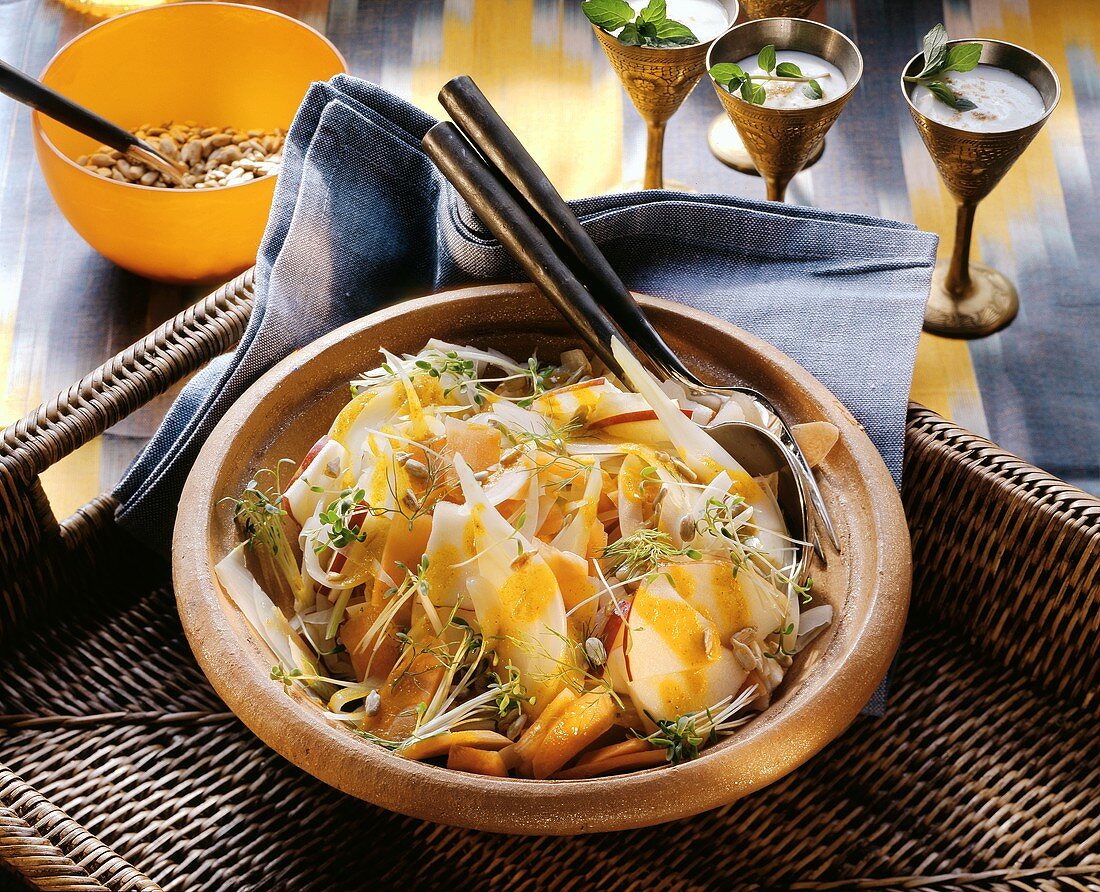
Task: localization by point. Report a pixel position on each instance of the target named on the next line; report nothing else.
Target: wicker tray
(115, 752)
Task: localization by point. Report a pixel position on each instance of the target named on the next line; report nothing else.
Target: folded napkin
(361, 219)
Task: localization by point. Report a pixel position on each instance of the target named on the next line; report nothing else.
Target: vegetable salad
(523, 569)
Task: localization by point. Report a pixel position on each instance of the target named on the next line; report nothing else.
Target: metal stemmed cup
(725, 142)
(781, 140)
(970, 300)
(658, 80)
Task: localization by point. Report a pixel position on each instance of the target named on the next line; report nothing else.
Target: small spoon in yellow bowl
(25, 89)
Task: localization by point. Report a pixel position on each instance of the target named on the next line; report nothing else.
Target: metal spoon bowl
(762, 454)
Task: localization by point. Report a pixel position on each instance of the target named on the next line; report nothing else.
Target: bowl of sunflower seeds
(212, 86)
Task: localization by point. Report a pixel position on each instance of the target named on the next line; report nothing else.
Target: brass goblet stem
(971, 300)
(957, 281)
(654, 155)
(776, 187)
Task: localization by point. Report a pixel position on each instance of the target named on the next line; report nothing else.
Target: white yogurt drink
(787, 93)
(706, 18)
(1005, 101)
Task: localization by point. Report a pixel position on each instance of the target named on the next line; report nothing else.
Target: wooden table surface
(1033, 388)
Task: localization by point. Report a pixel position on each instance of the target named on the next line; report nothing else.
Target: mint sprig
(735, 79)
(939, 59)
(651, 27)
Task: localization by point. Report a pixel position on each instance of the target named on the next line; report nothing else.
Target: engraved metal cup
(722, 137)
(781, 140)
(658, 80)
(970, 300)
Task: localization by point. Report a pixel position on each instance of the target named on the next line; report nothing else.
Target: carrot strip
(441, 744)
(625, 762)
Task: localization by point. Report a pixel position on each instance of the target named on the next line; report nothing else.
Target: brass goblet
(771, 9)
(781, 140)
(725, 142)
(970, 300)
(658, 80)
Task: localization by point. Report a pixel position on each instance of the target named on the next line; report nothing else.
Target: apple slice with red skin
(616, 642)
(310, 456)
(628, 418)
(661, 634)
(314, 451)
(301, 495)
(358, 517)
(564, 403)
(579, 385)
(640, 426)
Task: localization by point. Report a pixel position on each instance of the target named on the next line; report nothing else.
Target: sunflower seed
(417, 469)
(684, 470)
(687, 527)
(511, 455)
(748, 657)
(595, 651)
(514, 729)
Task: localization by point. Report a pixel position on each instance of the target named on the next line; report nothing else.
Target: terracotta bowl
(289, 407)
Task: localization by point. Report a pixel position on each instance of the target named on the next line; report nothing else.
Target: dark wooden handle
(25, 89)
(510, 222)
(474, 114)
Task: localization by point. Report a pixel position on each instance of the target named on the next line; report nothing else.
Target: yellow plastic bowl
(218, 64)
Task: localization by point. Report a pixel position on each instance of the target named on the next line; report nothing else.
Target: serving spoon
(509, 219)
(29, 91)
(473, 113)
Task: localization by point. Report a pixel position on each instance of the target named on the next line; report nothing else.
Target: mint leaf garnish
(736, 80)
(939, 59)
(675, 34)
(630, 36)
(766, 58)
(935, 50)
(651, 27)
(963, 57)
(949, 97)
(753, 93)
(726, 73)
(608, 14)
(656, 11)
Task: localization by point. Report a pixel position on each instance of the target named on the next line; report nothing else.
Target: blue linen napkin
(361, 219)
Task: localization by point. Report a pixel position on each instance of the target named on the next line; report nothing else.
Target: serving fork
(569, 267)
